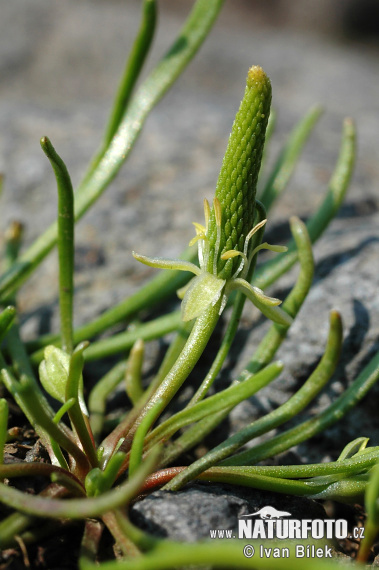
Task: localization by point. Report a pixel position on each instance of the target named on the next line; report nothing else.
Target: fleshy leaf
(353, 448)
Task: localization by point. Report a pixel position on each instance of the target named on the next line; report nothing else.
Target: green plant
(90, 477)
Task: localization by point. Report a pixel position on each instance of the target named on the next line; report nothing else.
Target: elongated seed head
(236, 185)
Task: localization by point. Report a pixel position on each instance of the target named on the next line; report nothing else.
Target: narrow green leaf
(286, 411)
(66, 224)
(307, 429)
(133, 67)
(317, 224)
(353, 448)
(135, 459)
(124, 341)
(372, 509)
(272, 340)
(77, 412)
(133, 376)
(99, 394)
(287, 160)
(6, 319)
(227, 398)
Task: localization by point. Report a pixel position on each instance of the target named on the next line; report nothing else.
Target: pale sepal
(162, 263)
(204, 290)
(53, 372)
(267, 305)
(183, 290)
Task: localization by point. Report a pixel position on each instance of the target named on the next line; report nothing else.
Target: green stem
(193, 349)
(192, 436)
(372, 521)
(3, 428)
(169, 360)
(318, 472)
(99, 394)
(371, 532)
(66, 224)
(22, 367)
(172, 353)
(267, 348)
(126, 545)
(133, 376)
(76, 412)
(6, 319)
(16, 523)
(231, 330)
(143, 540)
(285, 412)
(20, 359)
(135, 459)
(223, 351)
(54, 445)
(272, 484)
(351, 466)
(227, 398)
(109, 475)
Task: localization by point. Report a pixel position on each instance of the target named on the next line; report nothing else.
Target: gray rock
(190, 514)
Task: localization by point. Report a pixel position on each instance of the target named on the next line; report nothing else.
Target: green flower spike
(224, 243)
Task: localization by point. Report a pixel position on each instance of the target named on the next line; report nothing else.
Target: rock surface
(189, 515)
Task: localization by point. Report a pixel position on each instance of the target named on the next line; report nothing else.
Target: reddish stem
(160, 478)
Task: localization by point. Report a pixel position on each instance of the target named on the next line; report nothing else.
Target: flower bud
(53, 372)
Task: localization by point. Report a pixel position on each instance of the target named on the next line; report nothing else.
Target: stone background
(59, 66)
